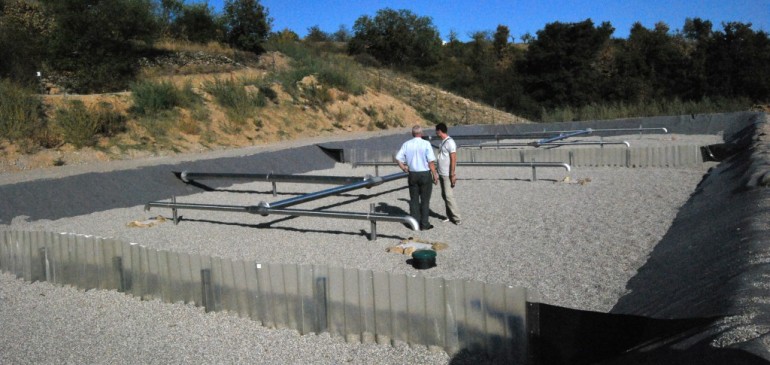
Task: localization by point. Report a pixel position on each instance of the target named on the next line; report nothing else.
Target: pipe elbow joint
(261, 209)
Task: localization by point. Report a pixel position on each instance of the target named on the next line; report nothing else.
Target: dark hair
(441, 127)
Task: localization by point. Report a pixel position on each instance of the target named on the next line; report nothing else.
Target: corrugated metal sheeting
(676, 156)
(360, 305)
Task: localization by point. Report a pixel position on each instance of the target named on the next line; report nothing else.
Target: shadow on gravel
(389, 209)
(270, 225)
(380, 208)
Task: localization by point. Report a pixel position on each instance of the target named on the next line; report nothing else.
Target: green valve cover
(424, 254)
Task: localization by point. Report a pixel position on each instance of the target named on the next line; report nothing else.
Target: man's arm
(400, 157)
(433, 172)
(403, 166)
(452, 165)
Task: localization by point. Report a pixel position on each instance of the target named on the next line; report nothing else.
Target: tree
(560, 63)
(739, 62)
(342, 34)
(527, 38)
(315, 34)
(99, 41)
(24, 30)
(248, 24)
(196, 23)
(453, 47)
(653, 65)
(479, 56)
(697, 29)
(168, 11)
(398, 38)
(699, 35)
(500, 40)
(285, 36)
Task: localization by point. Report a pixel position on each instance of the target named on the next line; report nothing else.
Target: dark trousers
(420, 188)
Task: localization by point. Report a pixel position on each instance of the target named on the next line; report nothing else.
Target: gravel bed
(576, 243)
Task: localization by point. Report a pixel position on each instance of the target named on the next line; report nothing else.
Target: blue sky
(521, 16)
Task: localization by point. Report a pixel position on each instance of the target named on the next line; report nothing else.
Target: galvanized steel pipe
(562, 136)
(564, 165)
(264, 210)
(188, 176)
(500, 164)
(195, 206)
(368, 183)
(406, 219)
(525, 135)
(555, 144)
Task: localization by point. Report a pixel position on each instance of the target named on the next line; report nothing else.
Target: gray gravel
(577, 245)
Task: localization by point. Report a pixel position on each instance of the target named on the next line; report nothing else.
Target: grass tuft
(152, 98)
(237, 101)
(78, 124)
(20, 112)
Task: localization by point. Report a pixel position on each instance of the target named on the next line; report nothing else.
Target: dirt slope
(390, 101)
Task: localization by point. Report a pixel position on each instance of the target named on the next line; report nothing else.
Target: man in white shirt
(447, 161)
(416, 157)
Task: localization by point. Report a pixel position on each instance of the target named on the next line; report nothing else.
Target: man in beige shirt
(447, 161)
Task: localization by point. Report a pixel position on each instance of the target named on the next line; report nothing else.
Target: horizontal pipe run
(496, 164)
(562, 136)
(188, 176)
(492, 136)
(545, 133)
(406, 219)
(640, 129)
(368, 183)
(563, 165)
(265, 211)
(603, 130)
(554, 144)
(194, 206)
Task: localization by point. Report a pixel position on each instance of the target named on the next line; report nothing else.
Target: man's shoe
(426, 228)
(458, 223)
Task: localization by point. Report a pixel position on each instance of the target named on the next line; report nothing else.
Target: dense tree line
(99, 42)
(576, 64)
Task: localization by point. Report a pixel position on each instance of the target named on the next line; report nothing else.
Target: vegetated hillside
(389, 101)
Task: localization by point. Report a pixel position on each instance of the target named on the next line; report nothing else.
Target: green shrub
(331, 70)
(20, 112)
(78, 124)
(159, 124)
(341, 73)
(366, 59)
(152, 98)
(111, 122)
(318, 96)
(238, 102)
(429, 116)
(268, 92)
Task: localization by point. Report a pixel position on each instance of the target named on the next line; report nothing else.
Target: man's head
(441, 130)
(417, 131)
